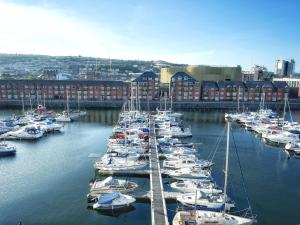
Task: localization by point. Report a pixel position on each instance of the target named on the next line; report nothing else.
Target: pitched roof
(64, 82)
(223, 83)
(259, 84)
(209, 84)
(145, 76)
(280, 84)
(184, 75)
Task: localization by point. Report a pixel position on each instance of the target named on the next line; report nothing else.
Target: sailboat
(65, 116)
(202, 217)
(74, 114)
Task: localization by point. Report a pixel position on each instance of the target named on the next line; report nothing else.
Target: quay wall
(145, 105)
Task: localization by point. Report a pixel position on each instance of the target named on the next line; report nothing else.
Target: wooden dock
(158, 204)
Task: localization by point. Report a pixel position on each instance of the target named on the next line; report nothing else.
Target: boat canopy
(294, 131)
(108, 198)
(110, 181)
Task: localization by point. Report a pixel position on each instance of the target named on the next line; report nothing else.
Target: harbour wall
(294, 104)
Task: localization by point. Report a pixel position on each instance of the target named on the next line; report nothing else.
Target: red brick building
(183, 87)
(146, 86)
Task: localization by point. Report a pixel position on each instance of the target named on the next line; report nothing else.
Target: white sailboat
(65, 116)
(204, 186)
(203, 217)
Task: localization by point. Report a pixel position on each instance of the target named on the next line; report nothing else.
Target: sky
(209, 32)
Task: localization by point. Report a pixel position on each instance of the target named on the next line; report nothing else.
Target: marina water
(47, 181)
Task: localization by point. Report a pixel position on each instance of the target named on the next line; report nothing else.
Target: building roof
(224, 83)
(64, 82)
(259, 84)
(209, 84)
(145, 76)
(280, 84)
(184, 75)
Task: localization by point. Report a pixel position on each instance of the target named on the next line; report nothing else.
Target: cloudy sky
(213, 32)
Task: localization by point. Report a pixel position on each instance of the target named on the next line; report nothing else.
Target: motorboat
(206, 187)
(200, 200)
(204, 217)
(112, 201)
(24, 133)
(283, 137)
(111, 184)
(187, 163)
(188, 174)
(65, 118)
(49, 126)
(7, 150)
(120, 164)
(9, 125)
(176, 156)
(293, 146)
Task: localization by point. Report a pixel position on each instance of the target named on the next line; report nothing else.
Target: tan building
(200, 73)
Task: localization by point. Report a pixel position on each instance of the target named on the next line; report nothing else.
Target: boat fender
(180, 222)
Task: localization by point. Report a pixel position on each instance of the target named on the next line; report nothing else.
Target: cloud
(44, 30)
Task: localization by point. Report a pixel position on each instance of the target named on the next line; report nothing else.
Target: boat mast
(78, 106)
(23, 108)
(30, 102)
(226, 168)
(285, 98)
(238, 100)
(165, 98)
(44, 101)
(136, 97)
(68, 107)
(171, 105)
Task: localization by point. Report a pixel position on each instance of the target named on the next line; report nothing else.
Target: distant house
(184, 87)
(281, 89)
(230, 90)
(256, 90)
(63, 76)
(146, 86)
(209, 91)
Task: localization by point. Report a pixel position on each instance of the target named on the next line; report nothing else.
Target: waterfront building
(284, 68)
(231, 90)
(202, 72)
(209, 91)
(281, 88)
(248, 75)
(60, 89)
(146, 86)
(183, 87)
(293, 82)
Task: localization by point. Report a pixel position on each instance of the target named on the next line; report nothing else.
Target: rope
(242, 174)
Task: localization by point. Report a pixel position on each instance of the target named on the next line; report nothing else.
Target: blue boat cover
(294, 131)
(107, 198)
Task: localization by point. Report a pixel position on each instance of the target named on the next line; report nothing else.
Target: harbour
(66, 191)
